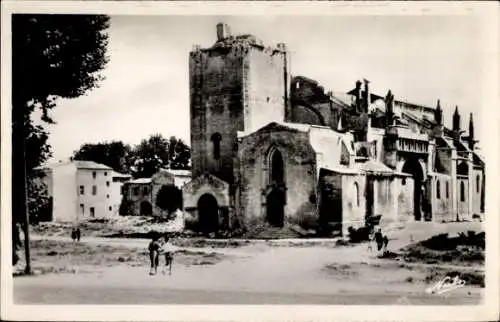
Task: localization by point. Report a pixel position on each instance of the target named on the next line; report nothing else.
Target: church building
(277, 150)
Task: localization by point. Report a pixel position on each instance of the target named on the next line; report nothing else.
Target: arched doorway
(275, 207)
(413, 167)
(208, 213)
(146, 209)
(276, 198)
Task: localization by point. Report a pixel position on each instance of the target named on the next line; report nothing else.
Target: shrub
(126, 207)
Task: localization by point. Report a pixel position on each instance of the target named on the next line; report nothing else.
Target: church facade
(273, 149)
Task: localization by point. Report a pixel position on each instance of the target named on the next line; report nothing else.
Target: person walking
(154, 248)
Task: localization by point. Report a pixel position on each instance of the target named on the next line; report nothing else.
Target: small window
(107, 183)
(478, 181)
(94, 190)
(92, 212)
(462, 191)
(94, 174)
(356, 193)
(82, 209)
(447, 190)
(105, 173)
(145, 191)
(82, 190)
(216, 138)
(110, 208)
(136, 191)
(107, 196)
(122, 190)
(438, 189)
(403, 182)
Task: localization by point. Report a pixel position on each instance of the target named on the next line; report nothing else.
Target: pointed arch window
(478, 181)
(276, 167)
(216, 138)
(462, 191)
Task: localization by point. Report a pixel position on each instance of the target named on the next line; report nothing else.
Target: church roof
(341, 170)
(372, 166)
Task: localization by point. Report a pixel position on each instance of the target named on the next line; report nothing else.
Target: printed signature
(445, 285)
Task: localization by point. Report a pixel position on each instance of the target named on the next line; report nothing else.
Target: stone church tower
(238, 84)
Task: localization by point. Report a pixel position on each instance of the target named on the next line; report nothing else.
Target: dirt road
(256, 273)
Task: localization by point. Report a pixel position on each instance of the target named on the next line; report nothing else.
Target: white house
(82, 190)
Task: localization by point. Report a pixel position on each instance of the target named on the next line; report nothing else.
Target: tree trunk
(20, 212)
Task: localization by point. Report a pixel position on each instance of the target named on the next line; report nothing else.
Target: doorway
(146, 209)
(275, 207)
(413, 167)
(208, 213)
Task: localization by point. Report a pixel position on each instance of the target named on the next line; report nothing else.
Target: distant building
(82, 190)
(181, 177)
(116, 190)
(142, 192)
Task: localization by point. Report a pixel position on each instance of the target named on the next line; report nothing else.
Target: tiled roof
(373, 166)
(120, 175)
(180, 173)
(78, 164)
(141, 181)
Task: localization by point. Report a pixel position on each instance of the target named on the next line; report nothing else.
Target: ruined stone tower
(238, 84)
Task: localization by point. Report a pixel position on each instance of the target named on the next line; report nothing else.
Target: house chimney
(358, 95)
(367, 95)
(223, 31)
(389, 108)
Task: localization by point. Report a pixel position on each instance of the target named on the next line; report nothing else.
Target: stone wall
(216, 81)
(265, 88)
(463, 199)
(441, 207)
(405, 199)
(235, 88)
(300, 178)
(476, 194)
(353, 202)
(385, 201)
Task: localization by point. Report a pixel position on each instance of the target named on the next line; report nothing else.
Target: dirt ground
(319, 270)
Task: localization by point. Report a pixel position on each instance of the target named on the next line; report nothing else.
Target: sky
(146, 90)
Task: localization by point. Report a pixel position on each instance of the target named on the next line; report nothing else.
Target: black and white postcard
(250, 161)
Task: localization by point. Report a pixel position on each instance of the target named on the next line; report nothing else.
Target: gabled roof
(372, 166)
(277, 126)
(120, 175)
(179, 172)
(79, 164)
(140, 181)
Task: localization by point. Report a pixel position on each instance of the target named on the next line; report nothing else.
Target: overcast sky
(146, 90)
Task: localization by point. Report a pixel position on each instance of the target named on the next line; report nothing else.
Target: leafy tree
(53, 56)
(150, 156)
(39, 203)
(169, 198)
(126, 207)
(157, 152)
(114, 154)
(179, 154)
